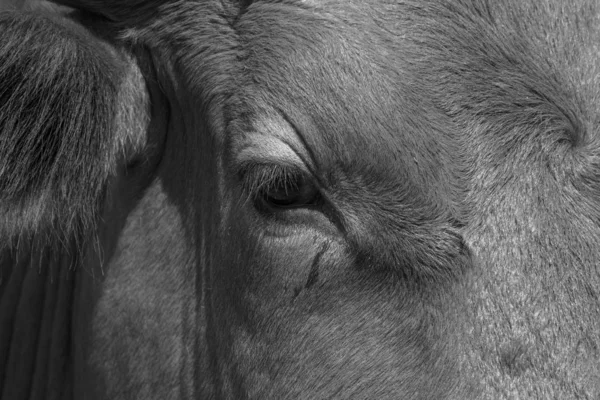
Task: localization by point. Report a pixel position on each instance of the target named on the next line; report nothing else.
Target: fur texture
(62, 133)
(73, 112)
(454, 254)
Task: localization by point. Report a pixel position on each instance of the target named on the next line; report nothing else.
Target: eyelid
(269, 151)
(258, 176)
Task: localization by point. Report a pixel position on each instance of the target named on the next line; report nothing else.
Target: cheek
(344, 337)
(304, 323)
(287, 268)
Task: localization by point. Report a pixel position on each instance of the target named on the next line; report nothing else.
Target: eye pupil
(284, 195)
(276, 188)
(288, 190)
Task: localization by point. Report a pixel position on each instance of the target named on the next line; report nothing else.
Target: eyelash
(263, 177)
(266, 183)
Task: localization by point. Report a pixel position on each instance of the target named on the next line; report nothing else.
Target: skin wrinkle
(453, 140)
(272, 137)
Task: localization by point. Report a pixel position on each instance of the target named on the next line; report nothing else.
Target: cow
(316, 199)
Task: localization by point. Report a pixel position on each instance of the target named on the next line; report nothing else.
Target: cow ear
(71, 108)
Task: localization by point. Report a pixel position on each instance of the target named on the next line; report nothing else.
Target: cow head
(366, 199)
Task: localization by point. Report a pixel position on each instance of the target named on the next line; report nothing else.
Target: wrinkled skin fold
(299, 199)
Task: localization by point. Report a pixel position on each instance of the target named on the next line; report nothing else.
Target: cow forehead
(342, 82)
(366, 85)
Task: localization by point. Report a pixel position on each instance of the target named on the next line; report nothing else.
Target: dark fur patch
(117, 11)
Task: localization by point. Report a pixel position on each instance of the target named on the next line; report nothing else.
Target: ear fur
(69, 109)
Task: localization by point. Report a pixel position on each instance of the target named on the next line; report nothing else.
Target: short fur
(454, 254)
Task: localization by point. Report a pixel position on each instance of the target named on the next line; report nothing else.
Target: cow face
(355, 200)
(325, 222)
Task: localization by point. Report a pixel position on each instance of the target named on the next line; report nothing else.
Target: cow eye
(276, 188)
(288, 192)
